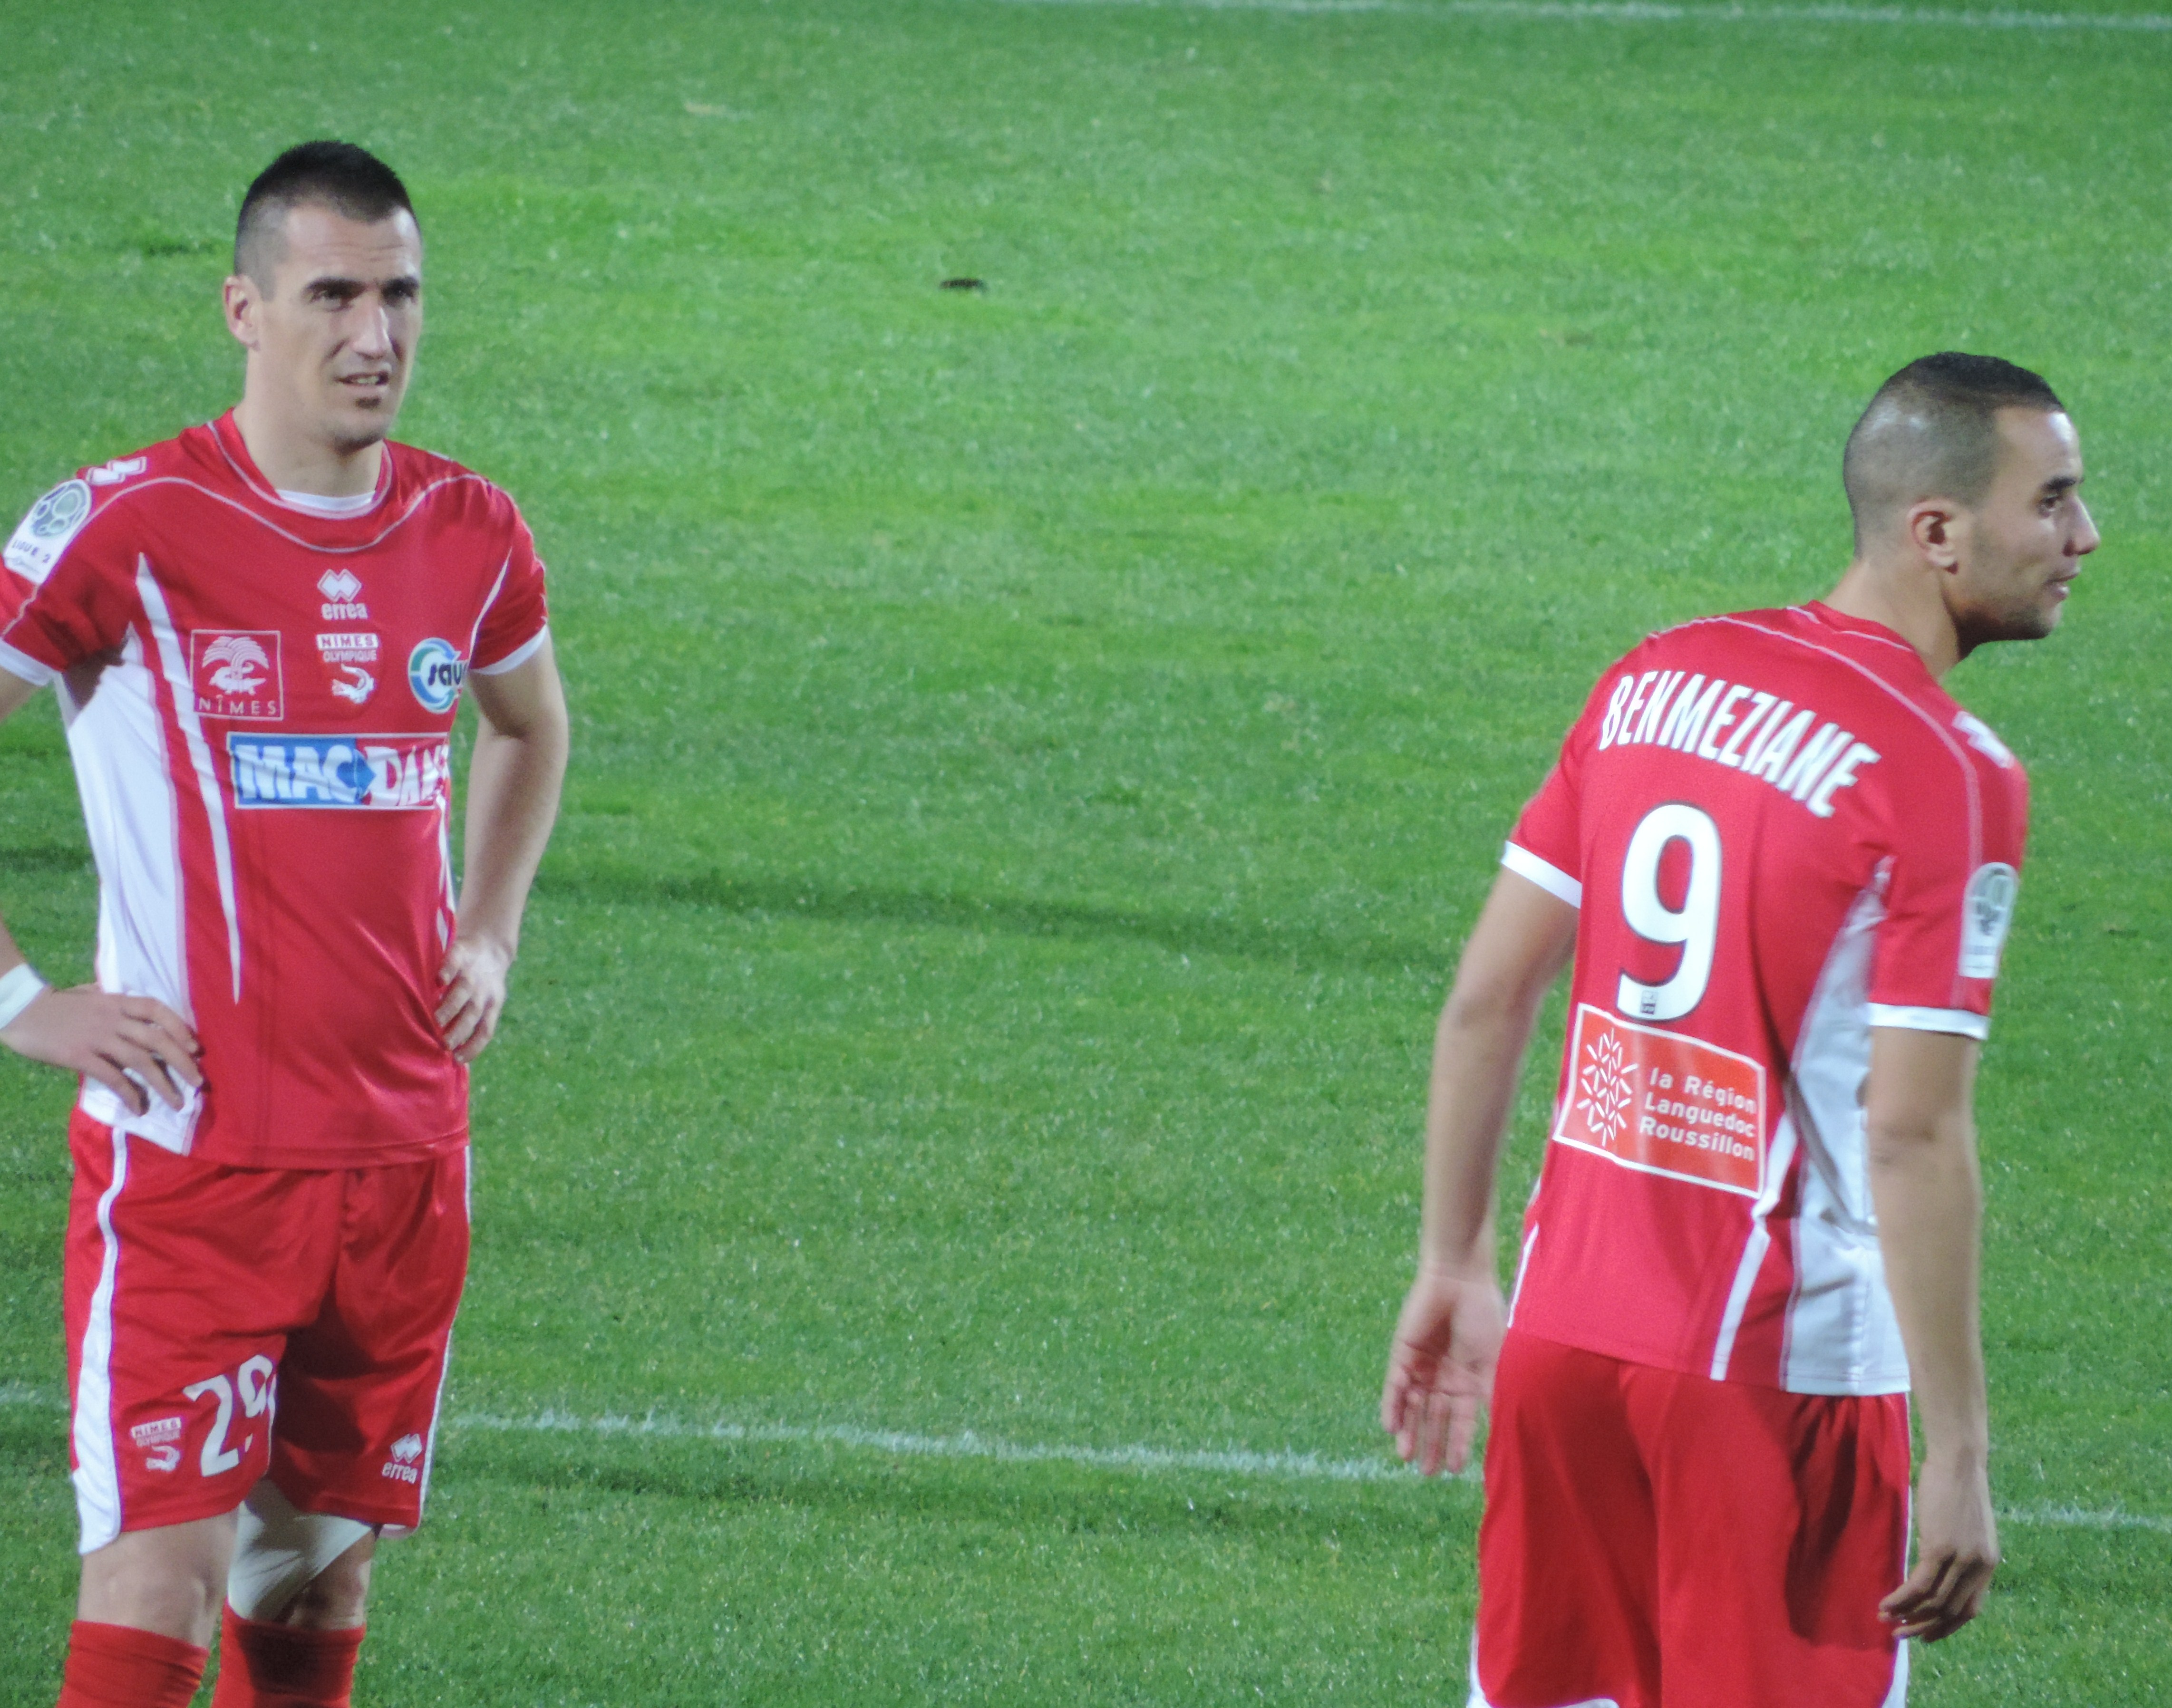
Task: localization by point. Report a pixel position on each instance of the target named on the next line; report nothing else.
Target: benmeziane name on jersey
(1691, 716)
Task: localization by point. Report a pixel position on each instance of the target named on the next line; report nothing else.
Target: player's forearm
(1478, 1054)
(514, 784)
(1925, 1182)
(14, 692)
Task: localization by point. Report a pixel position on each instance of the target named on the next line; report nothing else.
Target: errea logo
(401, 1467)
(342, 592)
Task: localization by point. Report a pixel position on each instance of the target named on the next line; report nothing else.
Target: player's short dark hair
(350, 180)
(1932, 431)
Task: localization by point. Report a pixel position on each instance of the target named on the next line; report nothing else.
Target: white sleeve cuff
(1553, 879)
(31, 670)
(515, 658)
(1959, 1021)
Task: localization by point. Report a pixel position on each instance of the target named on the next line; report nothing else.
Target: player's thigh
(182, 1282)
(1783, 1521)
(1566, 1562)
(360, 1388)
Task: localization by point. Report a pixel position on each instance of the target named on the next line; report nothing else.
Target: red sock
(270, 1666)
(119, 1666)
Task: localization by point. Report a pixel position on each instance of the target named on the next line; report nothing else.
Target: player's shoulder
(424, 479)
(65, 513)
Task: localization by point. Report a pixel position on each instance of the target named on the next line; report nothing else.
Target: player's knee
(338, 1595)
(170, 1579)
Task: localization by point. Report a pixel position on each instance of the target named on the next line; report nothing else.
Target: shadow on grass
(1198, 934)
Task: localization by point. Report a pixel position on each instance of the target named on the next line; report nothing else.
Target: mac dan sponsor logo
(235, 673)
(402, 1466)
(381, 773)
(342, 592)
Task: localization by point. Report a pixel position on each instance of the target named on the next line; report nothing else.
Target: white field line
(970, 1445)
(1668, 12)
(1303, 1467)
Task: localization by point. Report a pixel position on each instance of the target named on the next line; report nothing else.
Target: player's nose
(2086, 537)
(372, 333)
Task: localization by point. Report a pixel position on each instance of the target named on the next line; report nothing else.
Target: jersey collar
(225, 434)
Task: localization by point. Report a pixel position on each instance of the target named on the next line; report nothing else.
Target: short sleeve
(513, 625)
(61, 601)
(1953, 878)
(1546, 846)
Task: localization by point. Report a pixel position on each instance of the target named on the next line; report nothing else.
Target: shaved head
(350, 181)
(1932, 431)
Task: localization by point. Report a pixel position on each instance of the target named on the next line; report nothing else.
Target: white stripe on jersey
(97, 1469)
(1842, 1336)
(35, 671)
(1549, 878)
(118, 741)
(1956, 1020)
(1777, 1161)
(176, 670)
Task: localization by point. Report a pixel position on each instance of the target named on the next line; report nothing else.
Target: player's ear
(1935, 528)
(241, 300)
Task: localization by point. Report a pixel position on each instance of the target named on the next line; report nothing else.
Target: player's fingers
(458, 996)
(108, 1075)
(1462, 1430)
(152, 1012)
(1920, 1590)
(457, 1022)
(1396, 1392)
(148, 1069)
(1437, 1419)
(170, 1052)
(478, 1039)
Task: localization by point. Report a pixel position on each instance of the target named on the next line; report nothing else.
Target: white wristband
(18, 989)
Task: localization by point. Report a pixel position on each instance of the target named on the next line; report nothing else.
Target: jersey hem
(1816, 1384)
(1963, 1021)
(1547, 876)
(321, 1159)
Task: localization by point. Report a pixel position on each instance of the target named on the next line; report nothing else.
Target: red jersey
(1781, 833)
(260, 690)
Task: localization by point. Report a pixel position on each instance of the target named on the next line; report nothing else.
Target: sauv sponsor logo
(435, 672)
(381, 772)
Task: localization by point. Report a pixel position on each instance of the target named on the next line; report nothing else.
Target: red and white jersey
(259, 691)
(1781, 833)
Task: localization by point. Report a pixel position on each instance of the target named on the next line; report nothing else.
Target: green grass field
(1039, 748)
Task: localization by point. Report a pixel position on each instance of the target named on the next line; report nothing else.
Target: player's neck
(1907, 603)
(294, 460)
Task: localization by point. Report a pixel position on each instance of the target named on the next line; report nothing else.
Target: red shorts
(227, 1324)
(1652, 1537)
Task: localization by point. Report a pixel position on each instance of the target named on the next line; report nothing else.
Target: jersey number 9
(1694, 925)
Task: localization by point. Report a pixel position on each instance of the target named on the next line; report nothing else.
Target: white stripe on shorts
(97, 1471)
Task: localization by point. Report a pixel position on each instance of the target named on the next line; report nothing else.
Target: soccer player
(1785, 861)
(259, 632)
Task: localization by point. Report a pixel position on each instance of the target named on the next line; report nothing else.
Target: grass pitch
(1039, 747)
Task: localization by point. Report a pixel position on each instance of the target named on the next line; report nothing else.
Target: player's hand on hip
(135, 1046)
(1956, 1551)
(1440, 1369)
(473, 977)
